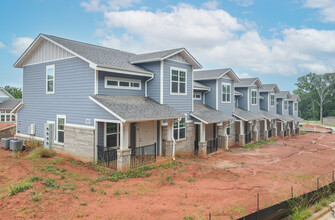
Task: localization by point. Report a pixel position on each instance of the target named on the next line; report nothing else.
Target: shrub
(20, 187)
(41, 152)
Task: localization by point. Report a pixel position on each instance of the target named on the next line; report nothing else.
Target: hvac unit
(32, 129)
(5, 143)
(48, 135)
(16, 145)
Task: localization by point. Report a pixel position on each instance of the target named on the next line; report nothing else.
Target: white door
(146, 133)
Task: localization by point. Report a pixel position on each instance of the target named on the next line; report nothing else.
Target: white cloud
(326, 7)
(218, 39)
(243, 75)
(20, 44)
(211, 4)
(104, 5)
(1, 45)
(243, 3)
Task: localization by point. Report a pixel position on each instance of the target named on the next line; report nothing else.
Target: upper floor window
(295, 107)
(254, 97)
(50, 79)
(226, 92)
(272, 100)
(122, 83)
(178, 81)
(179, 129)
(197, 96)
(285, 105)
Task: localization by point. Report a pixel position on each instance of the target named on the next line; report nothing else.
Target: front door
(146, 133)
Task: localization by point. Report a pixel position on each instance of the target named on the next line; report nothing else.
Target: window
(50, 79)
(7, 116)
(295, 107)
(61, 120)
(13, 117)
(285, 105)
(226, 92)
(179, 129)
(228, 128)
(197, 96)
(178, 81)
(112, 135)
(272, 100)
(254, 97)
(122, 83)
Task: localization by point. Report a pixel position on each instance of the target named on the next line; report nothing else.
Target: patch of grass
(116, 192)
(191, 179)
(93, 189)
(51, 168)
(40, 152)
(300, 214)
(50, 182)
(168, 179)
(16, 154)
(34, 179)
(19, 187)
(83, 204)
(303, 176)
(36, 197)
(259, 143)
(302, 132)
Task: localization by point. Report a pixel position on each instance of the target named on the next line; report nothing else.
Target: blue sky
(276, 40)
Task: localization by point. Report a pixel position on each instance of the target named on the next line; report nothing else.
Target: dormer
(269, 103)
(283, 102)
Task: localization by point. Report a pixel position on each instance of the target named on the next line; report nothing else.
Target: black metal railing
(285, 133)
(212, 146)
(196, 148)
(141, 156)
(107, 156)
(269, 133)
(247, 138)
(297, 131)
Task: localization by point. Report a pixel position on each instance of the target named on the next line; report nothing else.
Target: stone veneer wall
(79, 142)
(8, 131)
(329, 120)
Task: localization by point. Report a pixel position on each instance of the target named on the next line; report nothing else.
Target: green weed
(20, 187)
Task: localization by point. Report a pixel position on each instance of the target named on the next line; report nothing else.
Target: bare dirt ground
(319, 128)
(225, 184)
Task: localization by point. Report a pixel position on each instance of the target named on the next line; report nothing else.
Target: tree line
(317, 94)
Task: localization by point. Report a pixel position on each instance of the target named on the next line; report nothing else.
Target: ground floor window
(179, 129)
(7, 116)
(112, 135)
(60, 128)
(228, 128)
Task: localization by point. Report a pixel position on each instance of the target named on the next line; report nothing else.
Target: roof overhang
(258, 83)
(232, 75)
(201, 88)
(17, 107)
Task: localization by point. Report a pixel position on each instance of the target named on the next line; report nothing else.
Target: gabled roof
(296, 118)
(215, 74)
(6, 93)
(285, 118)
(248, 82)
(135, 108)
(208, 115)
(295, 97)
(9, 104)
(246, 115)
(270, 88)
(161, 55)
(268, 115)
(283, 95)
(199, 86)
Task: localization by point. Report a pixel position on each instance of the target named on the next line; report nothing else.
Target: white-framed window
(272, 100)
(295, 107)
(179, 129)
(50, 79)
(61, 121)
(226, 93)
(228, 128)
(285, 105)
(112, 137)
(253, 97)
(7, 116)
(197, 96)
(122, 83)
(178, 81)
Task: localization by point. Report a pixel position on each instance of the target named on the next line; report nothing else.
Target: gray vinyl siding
(279, 106)
(74, 83)
(227, 108)
(101, 133)
(154, 84)
(202, 97)
(242, 102)
(254, 108)
(264, 103)
(182, 103)
(285, 111)
(114, 91)
(210, 97)
(290, 107)
(273, 109)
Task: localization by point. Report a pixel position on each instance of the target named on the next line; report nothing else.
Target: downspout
(146, 84)
(173, 144)
(226, 135)
(204, 97)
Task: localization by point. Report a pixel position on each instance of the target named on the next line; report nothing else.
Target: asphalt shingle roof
(296, 118)
(268, 88)
(268, 115)
(246, 82)
(137, 108)
(285, 118)
(197, 85)
(283, 95)
(246, 115)
(294, 97)
(9, 104)
(153, 55)
(209, 74)
(209, 115)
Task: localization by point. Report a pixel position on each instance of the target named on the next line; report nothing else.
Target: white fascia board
(198, 118)
(106, 69)
(27, 50)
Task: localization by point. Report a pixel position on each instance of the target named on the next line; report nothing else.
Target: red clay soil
(318, 128)
(225, 184)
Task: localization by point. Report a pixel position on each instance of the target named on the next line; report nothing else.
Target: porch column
(265, 134)
(255, 134)
(226, 138)
(169, 140)
(124, 153)
(202, 141)
(241, 137)
(281, 129)
(221, 134)
(274, 129)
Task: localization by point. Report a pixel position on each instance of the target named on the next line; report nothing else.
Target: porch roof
(296, 118)
(246, 115)
(209, 115)
(268, 115)
(285, 118)
(135, 108)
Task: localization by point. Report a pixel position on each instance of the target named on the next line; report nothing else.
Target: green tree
(16, 92)
(316, 88)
